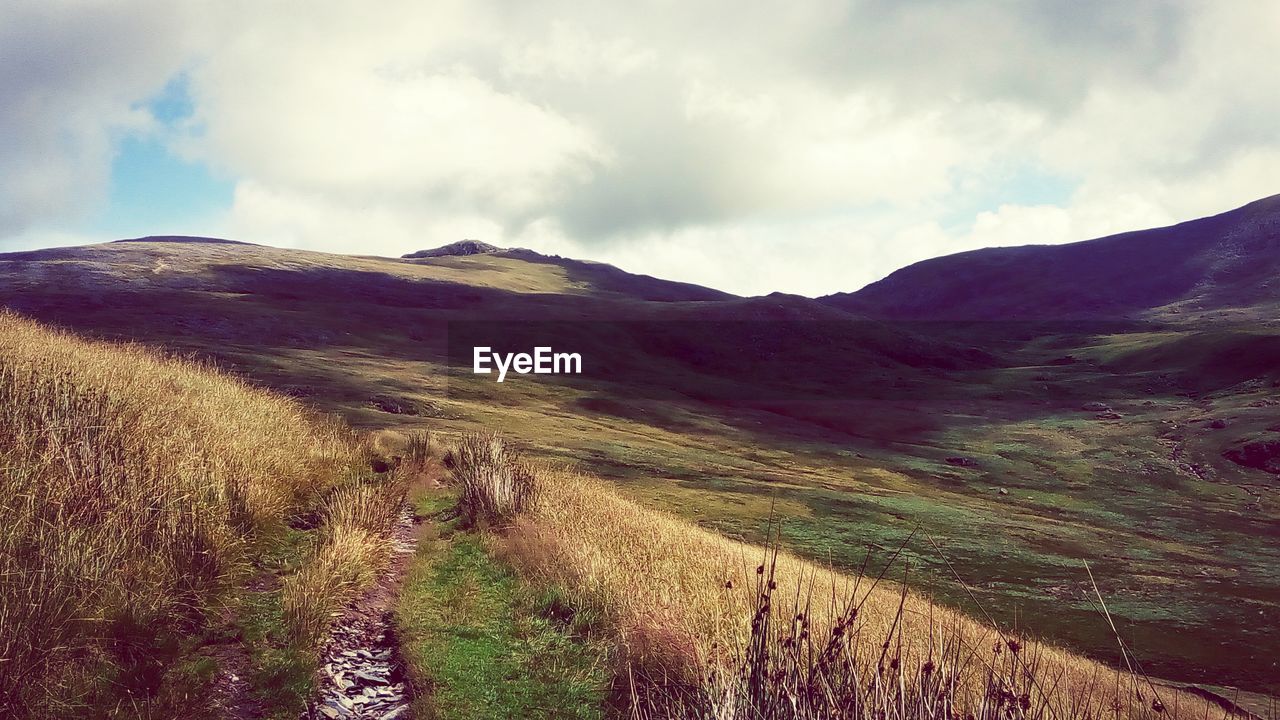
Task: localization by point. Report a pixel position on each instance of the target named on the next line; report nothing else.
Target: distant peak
(462, 247)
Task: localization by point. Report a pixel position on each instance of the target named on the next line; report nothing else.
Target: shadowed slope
(1224, 262)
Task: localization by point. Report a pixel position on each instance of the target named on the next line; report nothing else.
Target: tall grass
(132, 488)
(352, 546)
(708, 627)
(418, 449)
(495, 482)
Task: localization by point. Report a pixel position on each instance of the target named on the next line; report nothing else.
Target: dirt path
(230, 696)
(361, 672)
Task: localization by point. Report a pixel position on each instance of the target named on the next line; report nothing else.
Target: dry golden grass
(495, 482)
(351, 549)
(683, 603)
(337, 569)
(133, 487)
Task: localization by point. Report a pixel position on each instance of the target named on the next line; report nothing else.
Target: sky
(805, 146)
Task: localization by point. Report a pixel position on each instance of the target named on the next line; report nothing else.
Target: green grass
(281, 676)
(482, 646)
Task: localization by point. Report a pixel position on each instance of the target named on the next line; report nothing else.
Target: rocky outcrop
(462, 247)
(1260, 454)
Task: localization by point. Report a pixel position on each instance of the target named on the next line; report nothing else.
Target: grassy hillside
(141, 495)
(990, 436)
(705, 626)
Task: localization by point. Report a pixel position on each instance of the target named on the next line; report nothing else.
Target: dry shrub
(495, 482)
(710, 627)
(131, 485)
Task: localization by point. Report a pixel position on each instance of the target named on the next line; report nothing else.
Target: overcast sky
(803, 146)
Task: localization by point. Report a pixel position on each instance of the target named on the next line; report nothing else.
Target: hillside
(1220, 267)
(182, 545)
(172, 536)
(1022, 449)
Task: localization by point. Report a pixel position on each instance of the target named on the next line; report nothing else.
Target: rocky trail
(361, 672)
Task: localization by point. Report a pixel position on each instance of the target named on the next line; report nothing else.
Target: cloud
(808, 147)
(70, 75)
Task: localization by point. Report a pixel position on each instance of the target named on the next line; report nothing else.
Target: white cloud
(811, 147)
(69, 77)
(305, 220)
(371, 134)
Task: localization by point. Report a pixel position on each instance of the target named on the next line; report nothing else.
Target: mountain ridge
(1218, 263)
(1222, 265)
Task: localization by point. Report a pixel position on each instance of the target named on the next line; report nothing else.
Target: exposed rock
(1262, 454)
(960, 461)
(1218, 424)
(462, 247)
(1109, 415)
(1095, 406)
(361, 675)
(395, 406)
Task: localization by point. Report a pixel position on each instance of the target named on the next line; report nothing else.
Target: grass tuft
(495, 482)
(343, 564)
(352, 546)
(418, 449)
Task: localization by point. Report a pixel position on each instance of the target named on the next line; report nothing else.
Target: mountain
(1227, 265)
(448, 274)
(244, 302)
(182, 239)
(1144, 447)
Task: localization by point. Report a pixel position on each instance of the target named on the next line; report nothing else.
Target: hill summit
(462, 247)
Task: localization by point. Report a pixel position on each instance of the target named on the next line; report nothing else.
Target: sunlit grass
(135, 490)
(706, 626)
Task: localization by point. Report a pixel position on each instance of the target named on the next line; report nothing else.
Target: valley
(1004, 443)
